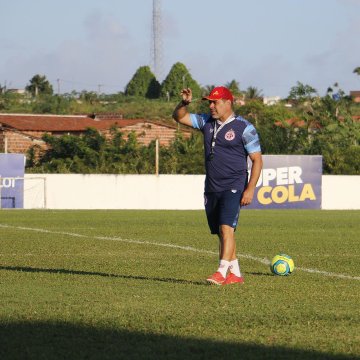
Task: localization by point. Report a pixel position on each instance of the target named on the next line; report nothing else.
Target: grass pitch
(130, 285)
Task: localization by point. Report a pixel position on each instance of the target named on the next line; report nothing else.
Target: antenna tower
(156, 41)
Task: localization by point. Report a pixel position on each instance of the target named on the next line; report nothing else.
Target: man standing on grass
(228, 141)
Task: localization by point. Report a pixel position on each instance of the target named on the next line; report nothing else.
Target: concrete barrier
(168, 192)
(340, 192)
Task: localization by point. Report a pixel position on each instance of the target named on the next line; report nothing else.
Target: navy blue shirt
(226, 161)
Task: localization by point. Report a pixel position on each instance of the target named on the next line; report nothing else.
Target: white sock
(223, 267)
(234, 267)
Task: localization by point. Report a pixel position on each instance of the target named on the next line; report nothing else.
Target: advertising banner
(12, 166)
(289, 182)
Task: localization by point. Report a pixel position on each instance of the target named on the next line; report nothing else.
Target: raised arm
(181, 113)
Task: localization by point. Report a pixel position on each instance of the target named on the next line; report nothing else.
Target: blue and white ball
(282, 264)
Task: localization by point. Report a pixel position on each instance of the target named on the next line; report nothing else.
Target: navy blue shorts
(222, 208)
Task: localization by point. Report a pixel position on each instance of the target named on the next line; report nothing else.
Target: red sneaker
(233, 279)
(216, 279)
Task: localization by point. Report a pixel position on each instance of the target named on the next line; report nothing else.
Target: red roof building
(355, 95)
(18, 132)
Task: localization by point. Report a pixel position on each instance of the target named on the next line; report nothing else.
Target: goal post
(27, 192)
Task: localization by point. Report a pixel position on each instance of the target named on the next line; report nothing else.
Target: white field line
(173, 246)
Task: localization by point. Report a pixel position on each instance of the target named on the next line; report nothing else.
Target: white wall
(340, 192)
(72, 191)
(178, 192)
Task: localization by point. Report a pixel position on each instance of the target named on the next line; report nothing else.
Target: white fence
(168, 192)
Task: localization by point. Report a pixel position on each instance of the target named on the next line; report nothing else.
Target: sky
(97, 45)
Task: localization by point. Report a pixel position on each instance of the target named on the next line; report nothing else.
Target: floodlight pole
(156, 45)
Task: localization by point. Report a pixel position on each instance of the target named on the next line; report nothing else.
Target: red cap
(219, 92)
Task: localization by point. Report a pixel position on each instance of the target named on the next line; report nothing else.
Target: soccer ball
(282, 264)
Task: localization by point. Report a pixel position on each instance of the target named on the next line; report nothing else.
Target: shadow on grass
(96, 273)
(260, 273)
(48, 340)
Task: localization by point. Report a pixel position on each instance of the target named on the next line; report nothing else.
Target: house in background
(355, 95)
(18, 132)
(271, 100)
(17, 91)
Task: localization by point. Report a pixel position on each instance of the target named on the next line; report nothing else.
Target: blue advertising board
(12, 166)
(289, 182)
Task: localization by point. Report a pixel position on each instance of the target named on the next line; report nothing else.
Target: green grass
(114, 293)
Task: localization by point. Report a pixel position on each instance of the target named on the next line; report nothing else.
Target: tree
(89, 96)
(357, 70)
(207, 89)
(234, 87)
(253, 92)
(338, 143)
(39, 85)
(184, 156)
(301, 92)
(143, 84)
(178, 78)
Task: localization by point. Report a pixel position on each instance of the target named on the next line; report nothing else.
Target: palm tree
(39, 85)
(302, 92)
(234, 87)
(207, 89)
(253, 92)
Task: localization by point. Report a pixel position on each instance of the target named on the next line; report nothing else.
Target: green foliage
(253, 92)
(143, 84)
(322, 125)
(10, 102)
(275, 135)
(234, 87)
(178, 79)
(327, 129)
(90, 153)
(51, 104)
(301, 92)
(39, 85)
(339, 144)
(207, 89)
(184, 156)
(90, 97)
(94, 153)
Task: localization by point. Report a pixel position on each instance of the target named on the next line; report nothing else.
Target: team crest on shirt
(230, 135)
